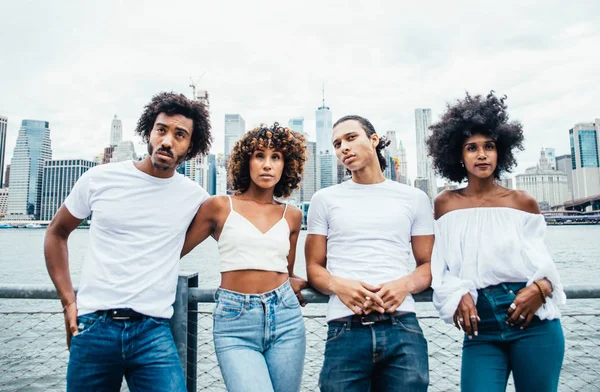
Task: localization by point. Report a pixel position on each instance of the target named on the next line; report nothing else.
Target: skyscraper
(564, 164)
(59, 177)
(403, 163)
(3, 126)
(391, 157)
(125, 151)
(116, 132)
(585, 159)
(324, 130)
(310, 178)
(424, 168)
(32, 149)
(235, 126)
(296, 124)
(551, 156)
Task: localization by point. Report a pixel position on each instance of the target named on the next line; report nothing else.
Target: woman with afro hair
(258, 328)
(492, 274)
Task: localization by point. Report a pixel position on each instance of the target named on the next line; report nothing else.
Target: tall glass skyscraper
(585, 159)
(324, 130)
(296, 124)
(235, 126)
(59, 177)
(26, 169)
(3, 126)
(424, 169)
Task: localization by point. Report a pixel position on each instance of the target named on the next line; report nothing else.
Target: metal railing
(33, 354)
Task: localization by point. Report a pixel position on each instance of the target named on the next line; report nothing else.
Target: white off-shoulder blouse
(479, 247)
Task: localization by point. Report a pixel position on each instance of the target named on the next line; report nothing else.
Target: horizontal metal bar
(33, 291)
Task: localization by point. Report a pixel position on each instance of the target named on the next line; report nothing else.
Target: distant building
(564, 164)
(6, 176)
(424, 166)
(551, 155)
(3, 127)
(327, 163)
(310, 178)
(32, 149)
(422, 184)
(585, 159)
(3, 201)
(212, 175)
(506, 182)
(402, 164)
(235, 127)
(544, 184)
(125, 151)
(296, 124)
(116, 132)
(59, 177)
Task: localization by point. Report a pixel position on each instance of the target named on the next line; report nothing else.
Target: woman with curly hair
(258, 331)
(492, 274)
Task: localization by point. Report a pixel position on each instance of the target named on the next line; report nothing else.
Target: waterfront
(575, 249)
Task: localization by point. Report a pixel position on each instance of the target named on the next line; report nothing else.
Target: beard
(165, 166)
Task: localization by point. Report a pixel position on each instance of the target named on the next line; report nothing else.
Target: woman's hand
(466, 316)
(298, 284)
(528, 301)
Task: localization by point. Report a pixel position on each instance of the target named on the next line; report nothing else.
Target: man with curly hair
(118, 325)
(360, 235)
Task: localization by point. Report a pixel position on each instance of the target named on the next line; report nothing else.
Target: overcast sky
(77, 64)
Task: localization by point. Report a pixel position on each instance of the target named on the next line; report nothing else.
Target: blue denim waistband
(502, 288)
(270, 296)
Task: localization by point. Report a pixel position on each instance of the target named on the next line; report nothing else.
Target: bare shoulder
(215, 204)
(294, 211)
(445, 202)
(523, 201)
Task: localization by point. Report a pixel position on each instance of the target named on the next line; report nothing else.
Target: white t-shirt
(369, 230)
(135, 240)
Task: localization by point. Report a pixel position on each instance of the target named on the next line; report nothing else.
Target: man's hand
(71, 322)
(393, 293)
(298, 284)
(356, 295)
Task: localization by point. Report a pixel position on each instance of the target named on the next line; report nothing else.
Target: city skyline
(378, 60)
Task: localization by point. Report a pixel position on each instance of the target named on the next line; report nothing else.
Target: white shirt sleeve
(79, 200)
(448, 288)
(536, 253)
(317, 221)
(423, 222)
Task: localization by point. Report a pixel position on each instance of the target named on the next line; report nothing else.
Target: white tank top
(243, 246)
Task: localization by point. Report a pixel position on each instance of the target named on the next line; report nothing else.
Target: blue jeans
(260, 340)
(106, 350)
(534, 354)
(389, 355)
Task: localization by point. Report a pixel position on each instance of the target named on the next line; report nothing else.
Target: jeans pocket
(289, 300)
(86, 322)
(335, 332)
(409, 325)
(227, 310)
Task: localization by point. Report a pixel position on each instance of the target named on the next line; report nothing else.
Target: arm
(203, 225)
(56, 253)
(297, 282)
(352, 293)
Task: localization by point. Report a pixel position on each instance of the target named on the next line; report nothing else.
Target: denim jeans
(260, 340)
(389, 355)
(534, 354)
(105, 350)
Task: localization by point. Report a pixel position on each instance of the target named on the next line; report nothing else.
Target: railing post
(184, 326)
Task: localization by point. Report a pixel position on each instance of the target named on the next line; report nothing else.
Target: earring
(462, 164)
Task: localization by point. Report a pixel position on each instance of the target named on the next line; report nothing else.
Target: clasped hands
(363, 298)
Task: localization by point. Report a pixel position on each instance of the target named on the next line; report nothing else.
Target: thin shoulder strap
(284, 211)
(230, 202)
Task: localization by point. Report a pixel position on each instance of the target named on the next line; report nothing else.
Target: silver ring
(513, 306)
(460, 320)
(521, 317)
(472, 316)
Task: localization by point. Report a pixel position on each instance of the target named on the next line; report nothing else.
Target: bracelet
(542, 293)
(69, 304)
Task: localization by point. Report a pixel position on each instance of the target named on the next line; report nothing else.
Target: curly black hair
(171, 103)
(369, 130)
(291, 144)
(473, 116)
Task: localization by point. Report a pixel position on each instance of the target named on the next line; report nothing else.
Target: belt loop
(103, 316)
(247, 302)
(393, 318)
(506, 289)
(348, 322)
